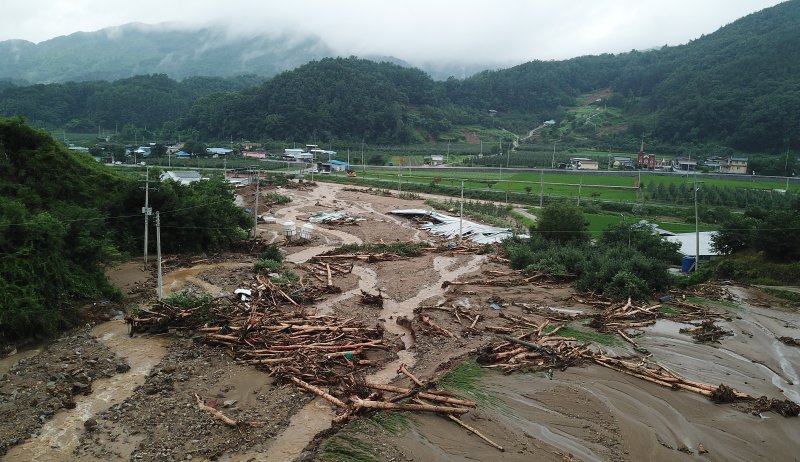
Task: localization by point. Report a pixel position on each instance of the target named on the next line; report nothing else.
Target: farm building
(583, 163)
(687, 242)
(335, 166)
(183, 177)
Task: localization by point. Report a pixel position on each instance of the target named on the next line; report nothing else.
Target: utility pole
(580, 186)
(160, 287)
(461, 215)
(255, 210)
(146, 210)
(696, 228)
(553, 163)
(541, 188)
(363, 165)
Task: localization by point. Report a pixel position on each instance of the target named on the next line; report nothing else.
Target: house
(621, 162)
(183, 154)
(172, 149)
(435, 160)
(685, 165)
(583, 163)
(335, 166)
(297, 155)
(688, 247)
(255, 154)
(549, 123)
(219, 151)
(736, 165)
(183, 177)
(142, 151)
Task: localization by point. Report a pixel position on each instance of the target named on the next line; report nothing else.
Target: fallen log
(367, 403)
(214, 413)
(402, 370)
(317, 391)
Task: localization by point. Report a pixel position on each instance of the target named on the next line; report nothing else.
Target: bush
(286, 278)
(276, 198)
(625, 284)
(269, 266)
(272, 252)
(563, 222)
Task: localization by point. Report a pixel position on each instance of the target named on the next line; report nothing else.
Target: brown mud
(583, 413)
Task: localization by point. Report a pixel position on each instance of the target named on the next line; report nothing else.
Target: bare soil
(582, 413)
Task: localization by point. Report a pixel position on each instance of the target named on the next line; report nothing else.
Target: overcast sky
(414, 30)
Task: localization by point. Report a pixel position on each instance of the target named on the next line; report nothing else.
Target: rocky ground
(151, 412)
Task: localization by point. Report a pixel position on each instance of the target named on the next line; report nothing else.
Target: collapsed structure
(441, 224)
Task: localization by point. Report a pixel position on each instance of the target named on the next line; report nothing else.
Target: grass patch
(276, 198)
(585, 336)
(709, 302)
(394, 423)
(267, 265)
(465, 380)
(346, 445)
(668, 310)
(787, 295)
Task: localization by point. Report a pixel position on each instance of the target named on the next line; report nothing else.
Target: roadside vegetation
(64, 218)
(624, 261)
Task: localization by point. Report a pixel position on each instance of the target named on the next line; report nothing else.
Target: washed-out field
(100, 394)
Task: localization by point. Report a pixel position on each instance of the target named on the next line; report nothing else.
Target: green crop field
(588, 185)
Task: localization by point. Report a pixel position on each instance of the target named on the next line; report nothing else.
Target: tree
(563, 222)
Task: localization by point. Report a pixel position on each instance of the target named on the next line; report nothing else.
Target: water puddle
(59, 436)
(393, 309)
(8, 362)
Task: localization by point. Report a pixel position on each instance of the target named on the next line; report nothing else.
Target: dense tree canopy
(64, 217)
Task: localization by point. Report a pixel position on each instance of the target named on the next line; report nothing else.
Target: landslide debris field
(373, 340)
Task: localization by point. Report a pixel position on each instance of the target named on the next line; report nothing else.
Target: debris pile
(616, 318)
(533, 347)
(335, 218)
(371, 299)
(534, 350)
(706, 332)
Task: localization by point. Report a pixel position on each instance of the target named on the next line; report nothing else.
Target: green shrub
(269, 266)
(272, 252)
(276, 198)
(188, 300)
(625, 284)
(285, 278)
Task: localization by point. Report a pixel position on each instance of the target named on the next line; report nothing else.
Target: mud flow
(438, 313)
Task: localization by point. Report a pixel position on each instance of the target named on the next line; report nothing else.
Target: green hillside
(735, 89)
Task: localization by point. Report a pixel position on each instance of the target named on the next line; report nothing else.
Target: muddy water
(176, 280)
(448, 271)
(367, 281)
(752, 360)
(59, 436)
(8, 362)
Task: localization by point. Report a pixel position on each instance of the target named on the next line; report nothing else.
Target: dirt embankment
(581, 413)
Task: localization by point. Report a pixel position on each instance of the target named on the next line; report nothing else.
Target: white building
(183, 177)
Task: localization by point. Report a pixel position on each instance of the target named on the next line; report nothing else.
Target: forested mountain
(738, 87)
(140, 101)
(136, 49)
